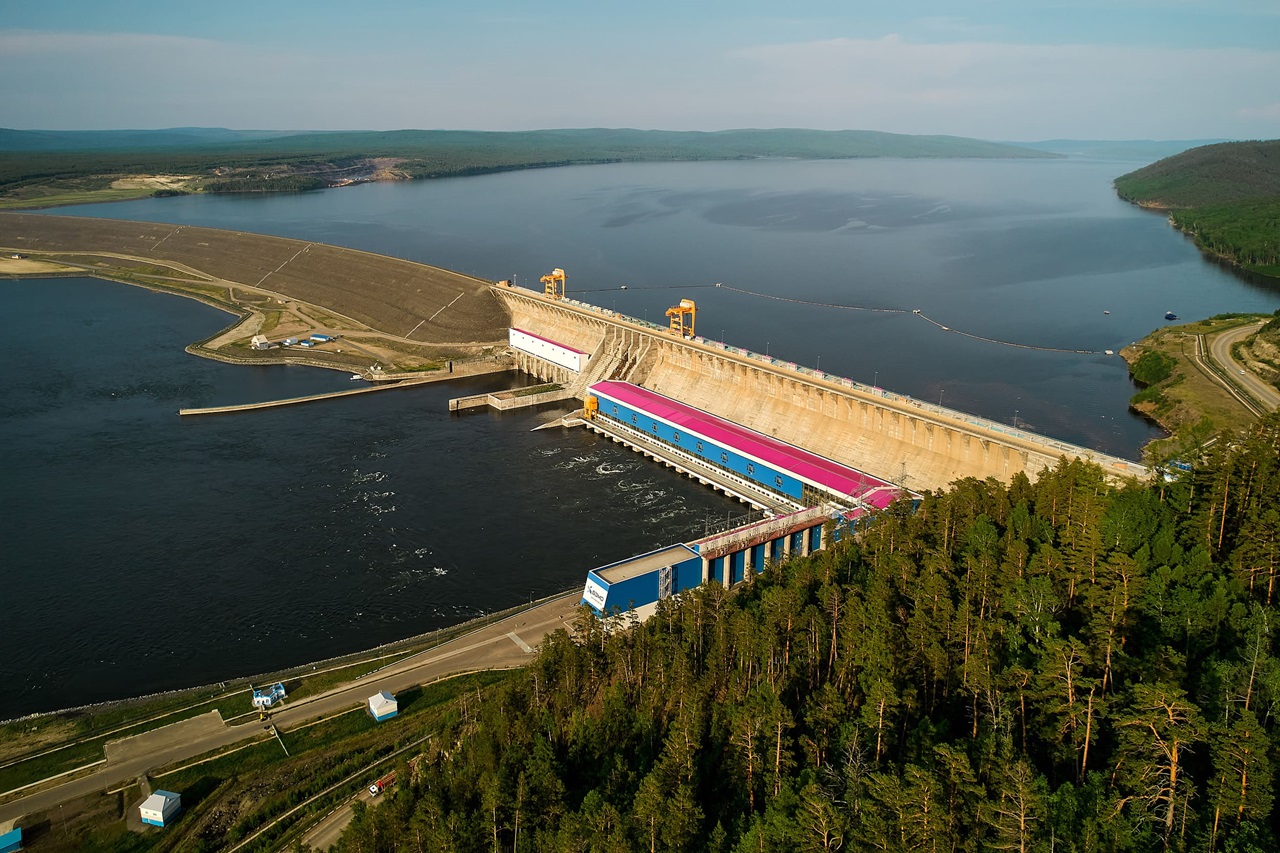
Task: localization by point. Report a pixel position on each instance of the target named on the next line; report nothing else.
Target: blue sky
(994, 69)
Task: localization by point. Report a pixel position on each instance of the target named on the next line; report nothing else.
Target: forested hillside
(1050, 666)
(1246, 232)
(1226, 196)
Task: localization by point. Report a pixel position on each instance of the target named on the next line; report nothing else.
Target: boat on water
(355, 376)
(1169, 315)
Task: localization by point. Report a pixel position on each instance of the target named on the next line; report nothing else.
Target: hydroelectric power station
(813, 452)
(816, 454)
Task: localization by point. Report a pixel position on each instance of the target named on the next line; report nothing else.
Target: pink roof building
(816, 470)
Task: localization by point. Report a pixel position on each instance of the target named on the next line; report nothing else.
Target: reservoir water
(145, 552)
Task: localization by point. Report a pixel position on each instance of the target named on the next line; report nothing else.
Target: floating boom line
(872, 308)
(919, 314)
(810, 302)
(1007, 343)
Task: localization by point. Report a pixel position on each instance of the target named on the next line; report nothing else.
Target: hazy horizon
(998, 69)
(306, 130)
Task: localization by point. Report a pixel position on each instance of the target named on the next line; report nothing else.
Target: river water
(145, 552)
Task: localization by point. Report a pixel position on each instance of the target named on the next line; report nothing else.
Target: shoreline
(1207, 253)
(412, 644)
(248, 319)
(1190, 387)
(165, 747)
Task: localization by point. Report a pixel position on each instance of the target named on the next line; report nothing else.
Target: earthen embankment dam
(906, 441)
(411, 301)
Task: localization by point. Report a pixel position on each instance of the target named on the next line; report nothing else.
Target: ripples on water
(146, 552)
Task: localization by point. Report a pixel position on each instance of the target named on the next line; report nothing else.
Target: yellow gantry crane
(686, 308)
(554, 283)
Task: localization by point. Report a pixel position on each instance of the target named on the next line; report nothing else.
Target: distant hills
(764, 143)
(1137, 150)
(1226, 196)
(50, 167)
(44, 168)
(589, 142)
(127, 140)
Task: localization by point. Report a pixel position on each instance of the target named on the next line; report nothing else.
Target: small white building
(383, 706)
(160, 808)
(265, 697)
(260, 342)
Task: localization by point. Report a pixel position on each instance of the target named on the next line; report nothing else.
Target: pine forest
(1060, 665)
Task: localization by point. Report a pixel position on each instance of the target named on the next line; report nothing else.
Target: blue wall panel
(687, 575)
(644, 589)
(632, 592)
(737, 562)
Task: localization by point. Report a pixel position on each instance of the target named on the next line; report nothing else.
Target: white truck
(382, 784)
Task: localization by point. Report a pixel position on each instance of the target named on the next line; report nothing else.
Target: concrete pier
(294, 401)
(506, 400)
(332, 395)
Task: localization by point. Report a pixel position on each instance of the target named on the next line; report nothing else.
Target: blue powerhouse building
(640, 582)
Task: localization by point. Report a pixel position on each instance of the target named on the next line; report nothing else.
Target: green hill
(126, 140)
(1226, 196)
(1211, 174)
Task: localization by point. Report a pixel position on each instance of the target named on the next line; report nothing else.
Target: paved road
(325, 834)
(1220, 349)
(497, 646)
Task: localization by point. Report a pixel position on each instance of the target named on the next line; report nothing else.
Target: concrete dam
(909, 442)
(914, 444)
